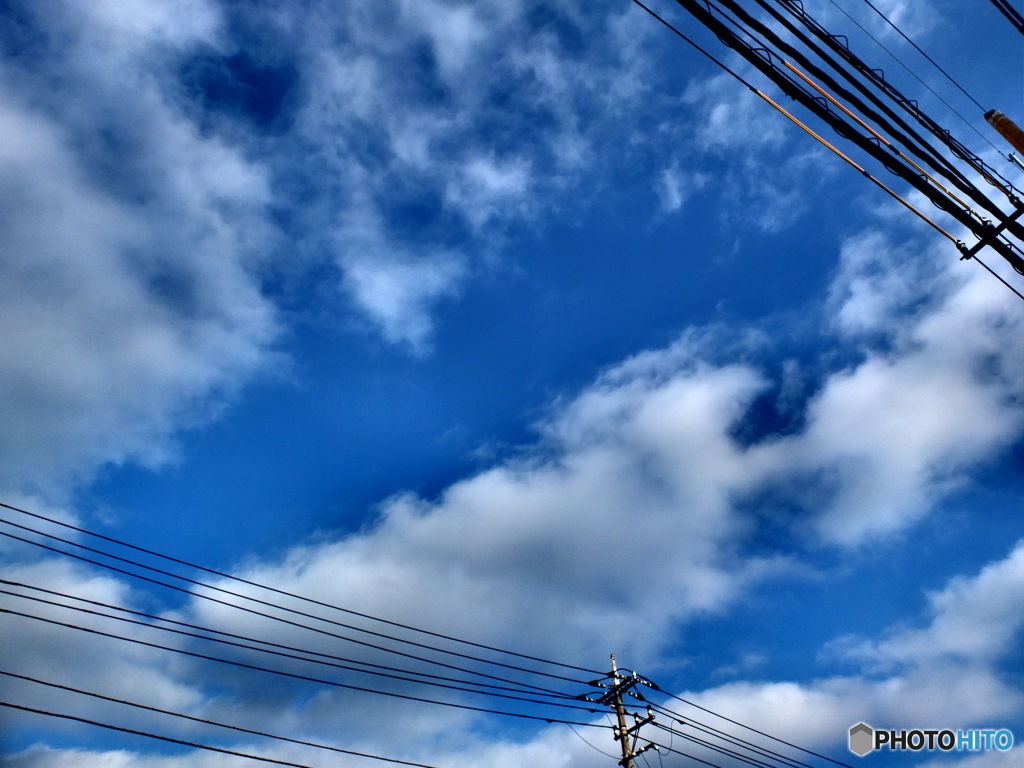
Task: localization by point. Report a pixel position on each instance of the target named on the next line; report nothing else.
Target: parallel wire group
(530, 689)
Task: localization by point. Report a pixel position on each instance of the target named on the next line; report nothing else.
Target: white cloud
(132, 305)
(769, 174)
(676, 186)
(130, 294)
(976, 619)
(499, 125)
(944, 675)
(516, 555)
(891, 434)
(61, 654)
(137, 226)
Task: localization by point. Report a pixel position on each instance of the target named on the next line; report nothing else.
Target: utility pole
(625, 734)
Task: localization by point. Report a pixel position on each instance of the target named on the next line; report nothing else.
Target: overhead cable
(838, 45)
(1012, 14)
(521, 687)
(302, 598)
(290, 675)
(451, 685)
(204, 721)
(169, 739)
(748, 728)
(265, 603)
(731, 739)
(764, 60)
(731, 41)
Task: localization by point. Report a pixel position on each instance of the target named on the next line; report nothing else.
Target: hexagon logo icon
(862, 738)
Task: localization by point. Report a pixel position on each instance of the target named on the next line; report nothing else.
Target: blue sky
(516, 321)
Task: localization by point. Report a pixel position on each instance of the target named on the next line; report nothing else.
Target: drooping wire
(746, 727)
(715, 748)
(169, 739)
(267, 604)
(302, 598)
(204, 721)
(293, 675)
(917, 48)
(328, 656)
(675, 751)
(731, 739)
(596, 749)
(1012, 14)
(274, 651)
(251, 610)
(800, 124)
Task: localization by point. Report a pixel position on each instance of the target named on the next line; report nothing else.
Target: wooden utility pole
(618, 684)
(622, 734)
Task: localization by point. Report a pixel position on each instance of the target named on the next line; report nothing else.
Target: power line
(271, 605)
(204, 721)
(746, 727)
(245, 609)
(1012, 14)
(282, 654)
(731, 739)
(292, 675)
(839, 45)
(917, 77)
(674, 751)
(303, 598)
(169, 739)
(935, 64)
(800, 124)
(716, 748)
(881, 113)
(762, 57)
(523, 688)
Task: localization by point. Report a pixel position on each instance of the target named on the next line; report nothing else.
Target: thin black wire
(169, 739)
(694, 44)
(203, 721)
(877, 78)
(596, 749)
(271, 605)
(747, 727)
(674, 751)
(1011, 13)
(716, 748)
(293, 675)
(282, 654)
(884, 116)
(730, 738)
(762, 58)
(268, 643)
(305, 599)
(919, 79)
(997, 276)
(934, 63)
(791, 88)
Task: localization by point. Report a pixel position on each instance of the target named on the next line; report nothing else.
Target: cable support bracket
(990, 235)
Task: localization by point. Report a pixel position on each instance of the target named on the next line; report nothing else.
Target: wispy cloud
(130, 296)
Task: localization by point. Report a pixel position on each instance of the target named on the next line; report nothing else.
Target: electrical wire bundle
(881, 125)
(363, 654)
(367, 655)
